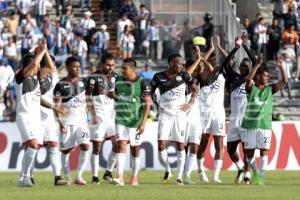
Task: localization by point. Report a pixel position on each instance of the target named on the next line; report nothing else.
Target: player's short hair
(70, 60)
(27, 59)
(131, 62)
(263, 68)
(43, 61)
(188, 63)
(107, 56)
(173, 56)
(142, 6)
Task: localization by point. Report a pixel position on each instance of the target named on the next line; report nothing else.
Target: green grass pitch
(279, 185)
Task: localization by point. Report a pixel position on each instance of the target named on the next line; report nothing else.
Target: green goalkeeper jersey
(130, 104)
(259, 108)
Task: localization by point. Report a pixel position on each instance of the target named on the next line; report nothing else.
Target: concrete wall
(246, 7)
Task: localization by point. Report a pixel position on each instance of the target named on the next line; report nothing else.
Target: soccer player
(172, 106)
(212, 83)
(48, 78)
(237, 82)
(102, 109)
(258, 115)
(132, 108)
(71, 93)
(28, 111)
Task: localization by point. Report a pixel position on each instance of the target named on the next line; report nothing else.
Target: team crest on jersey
(92, 81)
(57, 93)
(178, 78)
(113, 79)
(81, 84)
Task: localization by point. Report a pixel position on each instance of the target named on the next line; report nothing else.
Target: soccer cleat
(166, 178)
(134, 181)
(95, 180)
(257, 179)
(217, 180)
(58, 181)
(247, 180)
(203, 178)
(79, 181)
(179, 182)
(118, 181)
(107, 176)
(32, 180)
(187, 180)
(68, 180)
(26, 182)
(239, 177)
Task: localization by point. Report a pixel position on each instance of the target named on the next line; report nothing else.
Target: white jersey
(28, 98)
(238, 103)
(74, 98)
(172, 91)
(212, 95)
(47, 88)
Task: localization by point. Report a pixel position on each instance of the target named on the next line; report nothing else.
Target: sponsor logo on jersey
(178, 78)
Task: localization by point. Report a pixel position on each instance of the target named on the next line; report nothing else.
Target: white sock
(263, 165)
(111, 162)
(121, 161)
(180, 163)
(83, 159)
(29, 157)
(252, 163)
(65, 164)
(94, 164)
(135, 161)
(200, 163)
(190, 164)
(247, 174)
(239, 165)
(32, 168)
(163, 158)
(217, 169)
(54, 160)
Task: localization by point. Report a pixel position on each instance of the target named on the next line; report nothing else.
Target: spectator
(85, 4)
(290, 19)
(6, 82)
(59, 38)
(60, 6)
(100, 40)
(47, 23)
(298, 62)
(122, 22)
(86, 25)
(12, 23)
(287, 69)
(1, 48)
(80, 49)
(106, 8)
(127, 42)
(147, 73)
(274, 33)
(10, 52)
(23, 7)
(142, 20)
(5, 35)
(169, 43)
(278, 9)
(153, 38)
(3, 6)
(260, 31)
(208, 29)
(26, 40)
(186, 36)
(49, 36)
(30, 22)
(41, 10)
(290, 36)
(66, 18)
(129, 9)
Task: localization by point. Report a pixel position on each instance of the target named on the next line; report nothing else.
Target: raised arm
(249, 53)
(217, 42)
(209, 52)
(284, 80)
(197, 61)
(252, 73)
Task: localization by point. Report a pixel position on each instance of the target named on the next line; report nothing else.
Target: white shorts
(49, 131)
(74, 136)
(213, 123)
(124, 133)
(258, 138)
(172, 128)
(235, 132)
(105, 129)
(30, 130)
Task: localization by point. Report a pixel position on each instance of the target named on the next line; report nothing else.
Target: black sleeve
(146, 88)
(225, 65)
(154, 81)
(188, 78)
(19, 77)
(250, 55)
(57, 92)
(90, 86)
